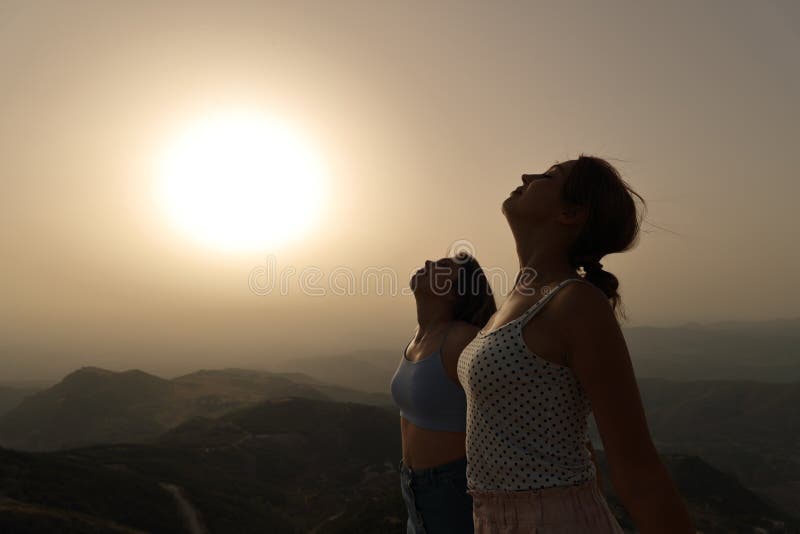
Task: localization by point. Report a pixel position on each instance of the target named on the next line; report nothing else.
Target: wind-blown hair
(612, 225)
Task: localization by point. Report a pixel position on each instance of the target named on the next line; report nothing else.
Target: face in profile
(436, 278)
(539, 196)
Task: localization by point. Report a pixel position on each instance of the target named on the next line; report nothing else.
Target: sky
(424, 116)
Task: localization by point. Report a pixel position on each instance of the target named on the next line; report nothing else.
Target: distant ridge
(781, 325)
(94, 405)
(362, 370)
(768, 351)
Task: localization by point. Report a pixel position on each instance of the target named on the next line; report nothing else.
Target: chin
(414, 283)
(505, 205)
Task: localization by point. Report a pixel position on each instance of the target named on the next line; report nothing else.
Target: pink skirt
(578, 509)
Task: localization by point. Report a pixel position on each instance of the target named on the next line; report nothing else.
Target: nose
(526, 178)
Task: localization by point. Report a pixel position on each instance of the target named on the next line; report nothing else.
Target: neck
(432, 312)
(541, 256)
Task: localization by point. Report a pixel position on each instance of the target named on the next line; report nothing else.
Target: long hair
(474, 299)
(612, 225)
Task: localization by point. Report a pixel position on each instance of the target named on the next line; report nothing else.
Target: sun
(240, 181)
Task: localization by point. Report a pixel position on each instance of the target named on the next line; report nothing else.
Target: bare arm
(600, 359)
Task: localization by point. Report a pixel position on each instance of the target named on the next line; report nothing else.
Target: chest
(499, 363)
(541, 334)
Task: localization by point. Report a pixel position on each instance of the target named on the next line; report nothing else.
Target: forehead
(561, 168)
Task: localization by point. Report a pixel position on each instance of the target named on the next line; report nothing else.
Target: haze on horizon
(425, 116)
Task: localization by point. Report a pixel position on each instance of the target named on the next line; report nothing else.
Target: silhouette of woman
(453, 301)
(552, 355)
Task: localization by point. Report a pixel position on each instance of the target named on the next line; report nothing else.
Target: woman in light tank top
(453, 300)
(552, 355)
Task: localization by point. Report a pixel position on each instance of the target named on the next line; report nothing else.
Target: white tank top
(527, 417)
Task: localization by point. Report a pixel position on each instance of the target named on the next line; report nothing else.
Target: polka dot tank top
(527, 417)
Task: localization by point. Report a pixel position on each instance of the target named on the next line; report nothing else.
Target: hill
(746, 428)
(280, 466)
(767, 351)
(10, 397)
(93, 405)
(361, 370)
(283, 466)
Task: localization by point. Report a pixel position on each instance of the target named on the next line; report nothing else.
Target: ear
(573, 215)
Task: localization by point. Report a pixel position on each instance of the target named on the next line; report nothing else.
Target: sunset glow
(240, 181)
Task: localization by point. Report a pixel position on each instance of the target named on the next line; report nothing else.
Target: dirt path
(187, 511)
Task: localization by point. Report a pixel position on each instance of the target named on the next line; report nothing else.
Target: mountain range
(311, 444)
(281, 466)
(93, 405)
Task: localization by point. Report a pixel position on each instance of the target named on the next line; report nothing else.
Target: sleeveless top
(527, 417)
(427, 396)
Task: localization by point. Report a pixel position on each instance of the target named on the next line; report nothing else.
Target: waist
(534, 469)
(453, 422)
(446, 470)
(536, 494)
(529, 481)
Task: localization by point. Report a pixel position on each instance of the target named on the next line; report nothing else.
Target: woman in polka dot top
(551, 356)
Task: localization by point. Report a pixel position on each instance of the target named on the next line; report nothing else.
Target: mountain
(88, 406)
(746, 428)
(723, 410)
(280, 466)
(245, 386)
(717, 501)
(767, 351)
(92, 405)
(289, 465)
(362, 370)
(10, 397)
(783, 327)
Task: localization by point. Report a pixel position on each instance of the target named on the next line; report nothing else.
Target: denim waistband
(457, 467)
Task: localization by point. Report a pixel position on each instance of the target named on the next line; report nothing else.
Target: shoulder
(461, 331)
(582, 301)
(458, 336)
(463, 327)
(585, 317)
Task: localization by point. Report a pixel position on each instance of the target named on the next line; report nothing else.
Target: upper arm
(459, 336)
(599, 357)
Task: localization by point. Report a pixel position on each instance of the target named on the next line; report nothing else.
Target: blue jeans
(436, 499)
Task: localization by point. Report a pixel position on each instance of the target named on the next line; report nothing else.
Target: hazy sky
(425, 115)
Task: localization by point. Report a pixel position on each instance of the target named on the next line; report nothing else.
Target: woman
(453, 301)
(552, 355)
